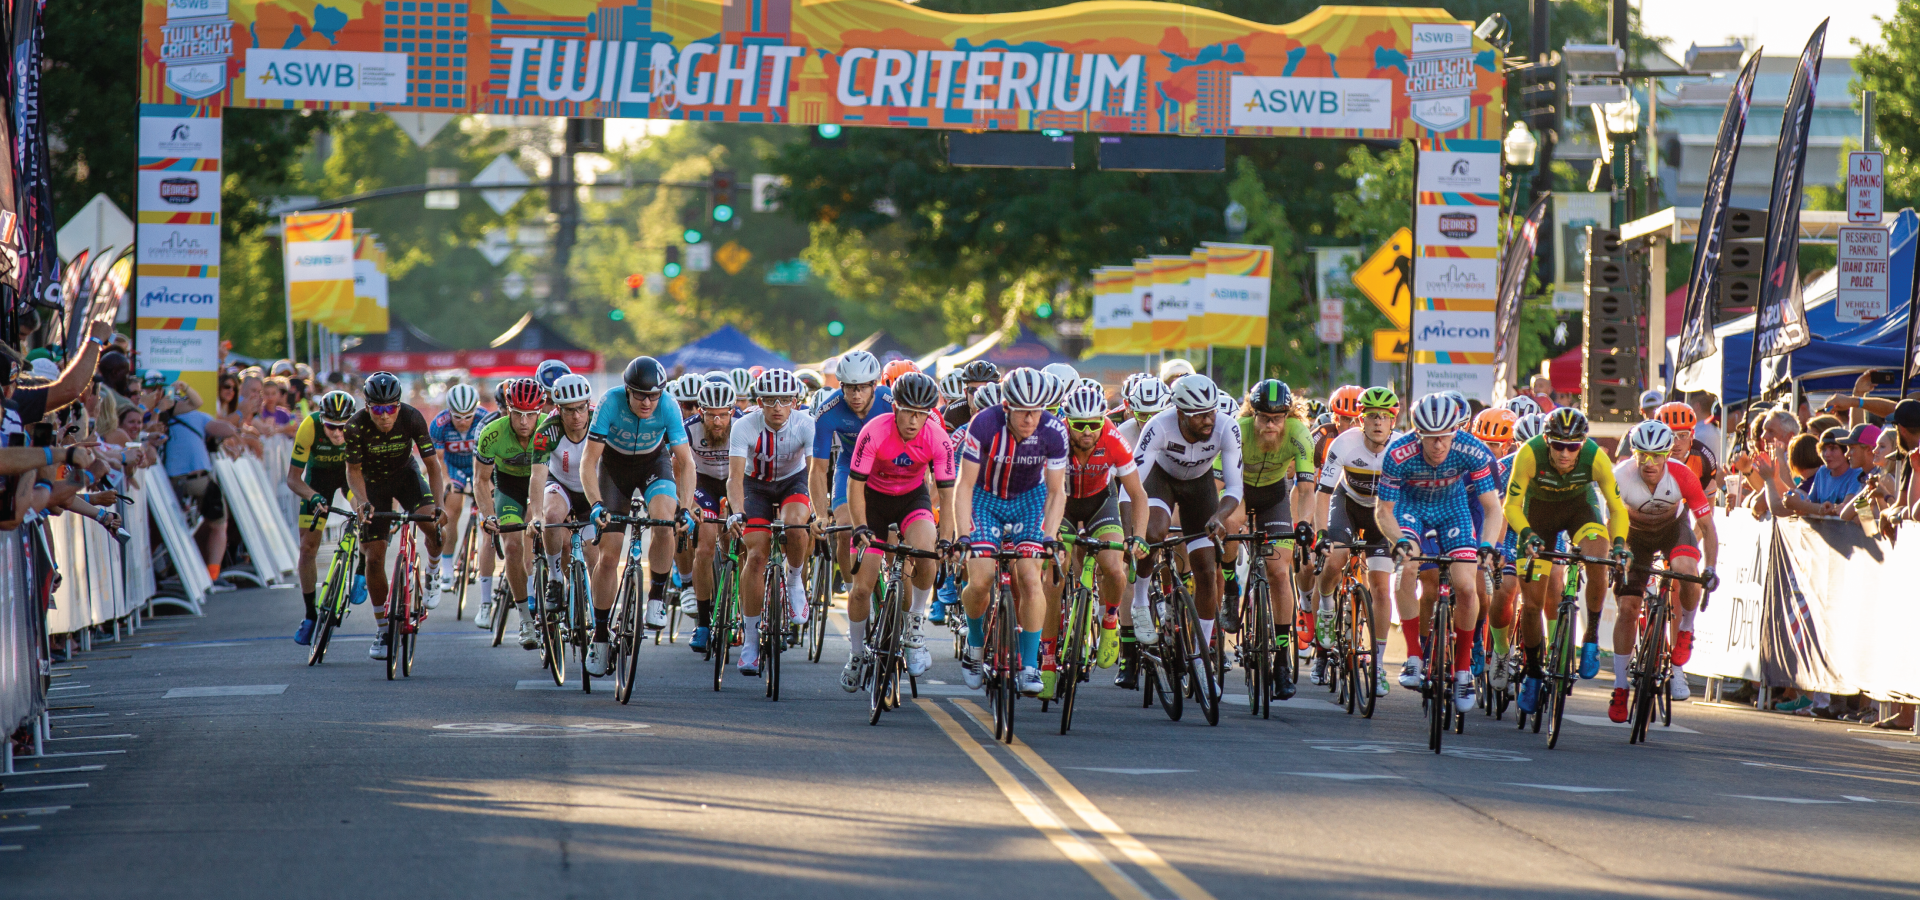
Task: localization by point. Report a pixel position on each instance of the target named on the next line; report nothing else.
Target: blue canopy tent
(1026, 349)
(726, 348)
(1839, 351)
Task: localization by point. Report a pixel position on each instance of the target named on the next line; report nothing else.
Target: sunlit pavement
(476, 778)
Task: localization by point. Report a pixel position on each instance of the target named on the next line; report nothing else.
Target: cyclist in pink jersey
(887, 492)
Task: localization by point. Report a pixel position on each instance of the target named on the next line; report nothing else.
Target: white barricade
(72, 610)
(282, 534)
(251, 505)
(138, 553)
(277, 453)
(1726, 635)
(20, 682)
(164, 507)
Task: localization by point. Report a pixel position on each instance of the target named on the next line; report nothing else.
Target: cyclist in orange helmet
(1345, 404)
(896, 369)
(1698, 457)
(1494, 427)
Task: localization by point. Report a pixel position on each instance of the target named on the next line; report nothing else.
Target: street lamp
(1520, 147)
(1623, 118)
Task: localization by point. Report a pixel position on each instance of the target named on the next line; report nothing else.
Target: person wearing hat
(34, 403)
(1832, 486)
(192, 438)
(1650, 401)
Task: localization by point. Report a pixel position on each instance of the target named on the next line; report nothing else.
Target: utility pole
(564, 203)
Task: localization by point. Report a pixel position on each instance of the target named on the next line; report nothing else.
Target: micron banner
(1109, 66)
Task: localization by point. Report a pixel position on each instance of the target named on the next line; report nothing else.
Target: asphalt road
(470, 780)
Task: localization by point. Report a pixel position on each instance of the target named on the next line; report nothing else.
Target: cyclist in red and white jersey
(887, 492)
(1100, 467)
(1659, 492)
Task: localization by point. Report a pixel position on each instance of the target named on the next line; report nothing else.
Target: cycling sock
(796, 579)
(857, 634)
(1140, 593)
(1500, 645)
(1462, 650)
(1410, 629)
(380, 617)
(553, 567)
(600, 619)
(1048, 657)
(486, 588)
(976, 631)
(307, 598)
(1593, 628)
(1030, 649)
(750, 632)
(446, 564)
(921, 597)
(1326, 602)
(213, 571)
(1109, 617)
(1686, 620)
(704, 613)
(1206, 630)
(658, 588)
(1620, 663)
(1533, 654)
(1379, 650)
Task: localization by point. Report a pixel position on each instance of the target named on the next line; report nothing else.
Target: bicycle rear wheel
(1648, 662)
(1439, 688)
(820, 597)
(463, 569)
(1365, 637)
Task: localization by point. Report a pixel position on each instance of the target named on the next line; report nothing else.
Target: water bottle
(359, 593)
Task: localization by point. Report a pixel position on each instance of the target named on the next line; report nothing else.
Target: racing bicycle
(886, 628)
(1563, 654)
(1651, 671)
(406, 608)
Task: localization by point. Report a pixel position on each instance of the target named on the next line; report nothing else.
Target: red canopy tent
(513, 354)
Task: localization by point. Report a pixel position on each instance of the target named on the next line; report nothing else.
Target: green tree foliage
(1891, 69)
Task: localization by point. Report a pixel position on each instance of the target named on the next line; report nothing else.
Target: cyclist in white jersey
(709, 433)
(767, 479)
(562, 498)
(1176, 451)
(1352, 468)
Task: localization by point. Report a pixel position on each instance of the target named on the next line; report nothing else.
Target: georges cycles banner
(1101, 66)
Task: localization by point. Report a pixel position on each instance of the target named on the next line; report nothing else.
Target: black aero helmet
(1272, 397)
(980, 370)
(916, 390)
(382, 387)
(336, 407)
(645, 374)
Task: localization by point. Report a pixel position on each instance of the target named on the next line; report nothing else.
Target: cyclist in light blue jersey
(638, 442)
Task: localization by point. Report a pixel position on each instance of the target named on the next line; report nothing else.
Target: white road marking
(19, 772)
(1129, 771)
(1347, 776)
(1569, 788)
(1604, 722)
(1781, 799)
(33, 811)
(1296, 705)
(1891, 745)
(537, 684)
(14, 829)
(229, 690)
(46, 787)
(948, 690)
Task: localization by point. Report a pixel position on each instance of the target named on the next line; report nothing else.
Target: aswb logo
(294, 75)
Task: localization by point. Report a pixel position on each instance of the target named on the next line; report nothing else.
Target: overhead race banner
(1107, 66)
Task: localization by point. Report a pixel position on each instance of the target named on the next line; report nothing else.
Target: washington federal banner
(1152, 68)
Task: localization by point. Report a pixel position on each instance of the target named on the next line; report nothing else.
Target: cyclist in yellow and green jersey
(317, 469)
(1550, 492)
(1276, 467)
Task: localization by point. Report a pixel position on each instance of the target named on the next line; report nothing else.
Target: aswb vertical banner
(1781, 326)
(369, 312)
(1239, 283)
(1696, 337)
(319, 264)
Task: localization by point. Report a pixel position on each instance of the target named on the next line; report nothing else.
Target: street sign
(1386, 278)
(732, 257)
(514, 285)
(1391, 346)
(1866, 186)
(787, 271)
(1863, 273)
(502, 171)
(764, 186)
(699, 257)
(1332, 326)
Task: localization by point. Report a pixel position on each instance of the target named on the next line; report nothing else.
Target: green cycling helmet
(1380, 399)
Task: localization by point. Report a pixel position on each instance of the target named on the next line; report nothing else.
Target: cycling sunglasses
(383, 409)
(1650, 456)
(1086, 426)
(1566, 446)
(326, 424)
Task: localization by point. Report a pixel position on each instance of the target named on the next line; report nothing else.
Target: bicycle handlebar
(1557, 556)
(1701, 580)
(401, 517)
(623, 521)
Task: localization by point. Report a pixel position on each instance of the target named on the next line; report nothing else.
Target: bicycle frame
(1651, 671)
(1438, 690)
(1560, 639)
(334, 607)
(1079, 630)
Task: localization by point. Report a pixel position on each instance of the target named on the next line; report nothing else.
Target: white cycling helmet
(717, 394)
(777, 383)
(1229, 407)
(1651, 436)
(1652, 397)
(987, 395)
(1462, 409)
(1522, 405)
(462, 399)
(1093, 383)
(570, 388)
(1057, 388)
(1065, 372)
(1528, 427)
(1150, 396)
(858, 367)
(1195, 393)
(1026, 389)
(742, 381)
(953, 387)
(1084, 403)
(689, 385)
(1436, 414)
(1175, 369)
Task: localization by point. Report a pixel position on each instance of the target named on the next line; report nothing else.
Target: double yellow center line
(1070, 844)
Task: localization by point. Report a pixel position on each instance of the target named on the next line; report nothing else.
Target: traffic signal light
(672, 268)
(720, 193)
(692, 236)
(836, 327)
(1044, 311)
(633, 287)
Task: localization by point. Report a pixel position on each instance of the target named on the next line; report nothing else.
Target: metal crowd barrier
(22, 681)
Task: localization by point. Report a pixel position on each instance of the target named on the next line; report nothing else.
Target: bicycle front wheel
(820, 596)
(1257, 652)
(626, 641)
(1560, 675)
(580, 615)
(463, 569)
(773, 626)
(1072, 655)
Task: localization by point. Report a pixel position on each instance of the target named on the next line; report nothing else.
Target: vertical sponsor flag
(1113, 310)
(368, 314)
(1513, 282)
(319, 264)
(1199, 327)
(1143, 306)
(1456, 266)
(1239, 282)
(1169, 302)
(33, 183)
(1781, 323)
(1696, 336)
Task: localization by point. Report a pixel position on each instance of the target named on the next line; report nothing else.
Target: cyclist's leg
(761, 508)
(414, 496)
(1457, 540)
(842, 514)
(709, 494)
(990, 514)
(662, 497)
(1028, 510)
(1407, 597)
(1629, 599)
(795, 510)
(616, 495)
(452, 503)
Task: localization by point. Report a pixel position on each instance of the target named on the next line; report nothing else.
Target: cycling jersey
(1292, 456)
(1130, 431)
(563, 454)
(615, 425)
(772, 455)
(1094, 475)
(1349, 456)
(313, 452)
(454, 444)
(709, 456)
(1165, 447)
(1536, 481)
(1678, 493)
(386, 455)
(889, 465)
(956, 414)
(1008, 467)
(836, 428)
(1406, 475)
(510, 456)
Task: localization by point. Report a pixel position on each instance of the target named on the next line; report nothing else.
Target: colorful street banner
(39, 280)
(1113, 310)
(177, 244)
(1143, 289)
(319, 264)
(1239, 282)
(1780, 324)
(1456, 266)
(1170, 302)
(1514, 269)
(1110, 66)
(369, 312)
